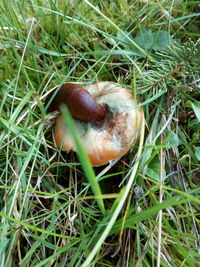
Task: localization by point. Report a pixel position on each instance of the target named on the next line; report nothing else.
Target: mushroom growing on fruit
(106, 115)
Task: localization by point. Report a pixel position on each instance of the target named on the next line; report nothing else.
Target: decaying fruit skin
(111, 137)
(79, 101)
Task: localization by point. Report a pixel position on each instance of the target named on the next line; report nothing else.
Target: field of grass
(143, 210)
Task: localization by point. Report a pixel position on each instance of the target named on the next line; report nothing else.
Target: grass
(142, 210)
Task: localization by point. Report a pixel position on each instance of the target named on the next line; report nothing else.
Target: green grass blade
(119, 206)
(116, 27)
(87, 167)
(32, 227)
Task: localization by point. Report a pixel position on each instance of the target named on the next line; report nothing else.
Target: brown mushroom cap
(111, 138)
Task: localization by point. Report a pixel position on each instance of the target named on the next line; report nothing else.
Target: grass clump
(49, 214)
